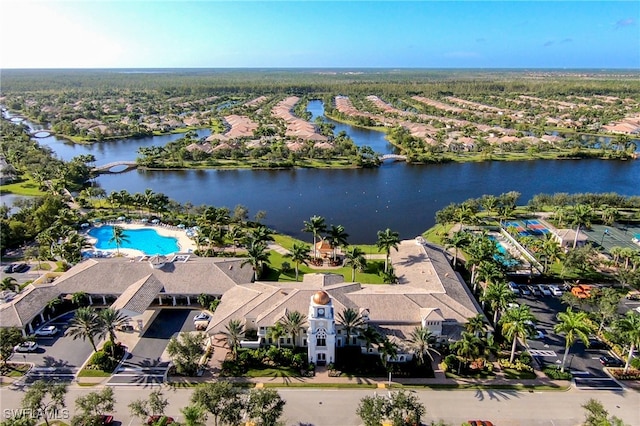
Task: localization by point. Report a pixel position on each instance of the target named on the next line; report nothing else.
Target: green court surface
(612, 236)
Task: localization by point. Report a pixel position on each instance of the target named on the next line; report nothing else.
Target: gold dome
(321, 298)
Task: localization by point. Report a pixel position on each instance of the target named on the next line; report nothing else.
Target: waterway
(398, 196)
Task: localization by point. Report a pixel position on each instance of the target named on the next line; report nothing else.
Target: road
(331, 407)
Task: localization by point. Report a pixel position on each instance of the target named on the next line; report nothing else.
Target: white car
(49, 330)
(555, 290)
(26, 347)
(202, 316)
(638, 309)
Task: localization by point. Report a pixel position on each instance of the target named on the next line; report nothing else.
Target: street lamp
(606, 232)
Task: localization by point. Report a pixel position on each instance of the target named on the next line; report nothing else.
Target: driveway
(145, 363)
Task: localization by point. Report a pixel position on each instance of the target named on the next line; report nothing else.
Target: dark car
(106, 419)
(596, 344)
(609, 361)
(21, 267)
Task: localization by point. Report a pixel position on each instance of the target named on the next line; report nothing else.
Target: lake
(398, 196)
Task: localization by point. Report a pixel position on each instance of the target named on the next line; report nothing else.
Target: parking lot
(146, 363)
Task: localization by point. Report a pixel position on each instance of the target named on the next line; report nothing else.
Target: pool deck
(185, 243)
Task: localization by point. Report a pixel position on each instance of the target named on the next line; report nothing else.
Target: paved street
(331, 407)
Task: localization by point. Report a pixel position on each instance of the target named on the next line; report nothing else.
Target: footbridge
(393, 157)
(106, 168)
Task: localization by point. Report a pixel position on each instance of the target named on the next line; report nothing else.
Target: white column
(159, 300)
(90, 300)
(188, 301)
(174, 300)
(42, 316)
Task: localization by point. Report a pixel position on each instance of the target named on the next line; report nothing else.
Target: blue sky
(388, 34)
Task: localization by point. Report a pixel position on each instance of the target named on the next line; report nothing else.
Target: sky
(327, 34)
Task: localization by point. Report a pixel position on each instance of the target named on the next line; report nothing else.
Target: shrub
(518, 365)
(618, 373)
(554, 373)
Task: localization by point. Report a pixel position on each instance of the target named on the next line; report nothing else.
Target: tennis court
(612, 236)
(529, 227)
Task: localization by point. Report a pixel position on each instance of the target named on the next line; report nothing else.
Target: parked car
(595, 343)
(546, 291)
(582, 291)
(638, 309)
(555, 290)
(535, 290)
(609, 361)
(8, 269)
(165, 420)
(26, 347)
(106, 419)
(21, 267)
(202, 316)
(49, 330)
(525, 290)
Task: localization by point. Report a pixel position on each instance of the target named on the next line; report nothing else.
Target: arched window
(321, 337)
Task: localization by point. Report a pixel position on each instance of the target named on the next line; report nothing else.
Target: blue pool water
(145, 240)
(503, 257)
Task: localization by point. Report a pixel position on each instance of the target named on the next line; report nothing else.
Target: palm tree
(234, 332)
(292, 322)
(337, 237)
(629, 329)
(315, 225)
(276, 332)
(421, 339)
(261, 233)
(371, 337)
(498, 295)
(456, 241)
(299, 254)
(550, 250)
(355, 258)
(110, 320)
(581, 215)
(257, 257)
(517, 323)
(118, 237)
(351, 321)
(194, 415)
(476, 325)
(388, 351)
(574, 325)
(467, 348)
(387, 240)
(86, 325)
(78, 297)
(9, 283)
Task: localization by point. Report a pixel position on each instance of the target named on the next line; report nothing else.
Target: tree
(355, 258)
(276, 332)
(388, 351)
(220, 399)
(476, 325)
(550, 250)
(110, 320)
(44, 398)
(387, 240)
(517, 323)
(257, 256)
(78, 297)
(234, 332)
(351, 321)
(194, 415)
(457, 241)
(499, 295)
(581, 215)
(118, 237)
(606, 305)
(404, 408)
(371, 337)
(153, 406)
(93, 405)
(9, 283)
(9, 338)
(265, 405)
(86, 325)
(421, 339)
(299, 254)
(596, 415)
(467, 348)
(337, 237)
(574, 325)
(629, 329)
(292, 323)
(372, 410)
(185, 352)
(315, 225)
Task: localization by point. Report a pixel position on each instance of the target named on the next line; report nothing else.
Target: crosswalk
(543, 353)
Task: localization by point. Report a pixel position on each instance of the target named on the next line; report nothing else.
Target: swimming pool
(146, 240)
(503, 256)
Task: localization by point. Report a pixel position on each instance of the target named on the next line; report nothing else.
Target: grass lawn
(510, 373)
(370, 276)
(28, 187)
(85, 372)
(272, 372)
(480, 375)
(14, 370)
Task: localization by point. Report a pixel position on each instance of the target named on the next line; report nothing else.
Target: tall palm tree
(299, 254)
(86, 325)
(355, 258)
(580, 215)
(351, 321)
(337, 237)
(292, 323)
(498, 295)
(517, 323)
(488, 272)
(276, 332)
(261, 233)
(550, 250)
(234, 332)
(457, 241)
(421, 339)
(387, 240)
(110, 320)
(629, 329)
(476, 325)
(388, 351)
(574, 325)
(371, 337)
(315, 225)
(257, 257)
(118, 237)
(468, 347)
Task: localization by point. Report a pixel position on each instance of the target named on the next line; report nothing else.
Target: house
(567, 237)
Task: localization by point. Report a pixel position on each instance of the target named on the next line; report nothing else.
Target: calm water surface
(397, 196)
